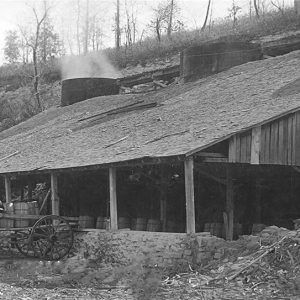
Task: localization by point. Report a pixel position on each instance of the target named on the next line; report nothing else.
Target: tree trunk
(297, 7)
(77, 28)
(157, 28)
(118, 31)
(36, 79)
(256, 8)
(170, 27)
(206, 16)
(86, 33)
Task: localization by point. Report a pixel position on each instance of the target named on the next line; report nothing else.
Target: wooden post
(255, 145)
(113, 199)
(7, 189)
(257, 201)
(30, 189)
(228, 216)
(189, 195)
(54, 195)
(163, 197)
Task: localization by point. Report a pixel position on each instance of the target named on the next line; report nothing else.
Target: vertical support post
(228, 216)
(189, 195)
(163, 198)
(30, 189)
(7, 189)
(258, 193)
(113, 199)
(54, 195)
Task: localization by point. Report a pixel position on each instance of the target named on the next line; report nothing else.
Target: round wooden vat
(21, 208)
(78, 89)
(86, 222)
(153, 225)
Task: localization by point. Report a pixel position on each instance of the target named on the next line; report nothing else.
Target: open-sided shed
(241, 122)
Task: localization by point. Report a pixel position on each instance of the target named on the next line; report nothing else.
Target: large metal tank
(209, 58)
(79, 89)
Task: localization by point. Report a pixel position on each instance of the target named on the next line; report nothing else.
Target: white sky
(14, 12)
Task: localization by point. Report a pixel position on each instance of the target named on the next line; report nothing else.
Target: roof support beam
(7, 182)
(113, 199)
(54, 194)
(163, 196)
(228, 215)
(189, 195)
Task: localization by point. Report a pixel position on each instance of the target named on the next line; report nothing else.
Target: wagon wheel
(23, 244)
(51, 238)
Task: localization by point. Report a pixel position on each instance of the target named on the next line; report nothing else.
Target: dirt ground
(255, 267)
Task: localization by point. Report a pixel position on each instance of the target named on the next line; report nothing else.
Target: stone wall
(155, 248)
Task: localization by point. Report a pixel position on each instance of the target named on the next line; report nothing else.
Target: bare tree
(279, 5)
(170, 23)
(297, 7)
(131, 12)
(256, 8)
(117, 26)
(233, 12)
(207, 15)
(163, 20)
(32, 41)
(86, 29)
(78, 27)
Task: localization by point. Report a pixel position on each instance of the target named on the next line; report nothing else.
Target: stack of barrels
(19, 208)
(138, 224)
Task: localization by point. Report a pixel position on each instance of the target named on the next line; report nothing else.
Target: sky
(17, 12)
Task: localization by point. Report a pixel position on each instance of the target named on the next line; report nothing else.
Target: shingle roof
(184, 118)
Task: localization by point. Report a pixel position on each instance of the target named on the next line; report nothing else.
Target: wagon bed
(50, 238)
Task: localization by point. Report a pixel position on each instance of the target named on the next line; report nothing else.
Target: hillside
(276, 32)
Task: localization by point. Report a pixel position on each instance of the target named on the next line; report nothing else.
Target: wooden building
(214, 150)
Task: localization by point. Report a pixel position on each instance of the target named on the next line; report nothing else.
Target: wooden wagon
(49, 238)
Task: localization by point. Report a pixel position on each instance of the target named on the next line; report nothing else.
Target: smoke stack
(85, 77)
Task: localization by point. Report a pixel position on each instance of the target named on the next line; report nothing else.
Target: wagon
(50, 237)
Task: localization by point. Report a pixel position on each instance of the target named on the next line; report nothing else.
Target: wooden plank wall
(276, 142)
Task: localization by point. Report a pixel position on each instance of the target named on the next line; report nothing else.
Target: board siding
(277, 143)
(297, 139)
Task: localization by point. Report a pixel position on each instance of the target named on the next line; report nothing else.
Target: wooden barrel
(207, 227)
(153, 225)
(86, 222)
(123, 223)
(139, 224)
(33, 209)
(21, 208)
(101, 223)
(237, 230)
(171, 226)
(215, 229)
(7, 223)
